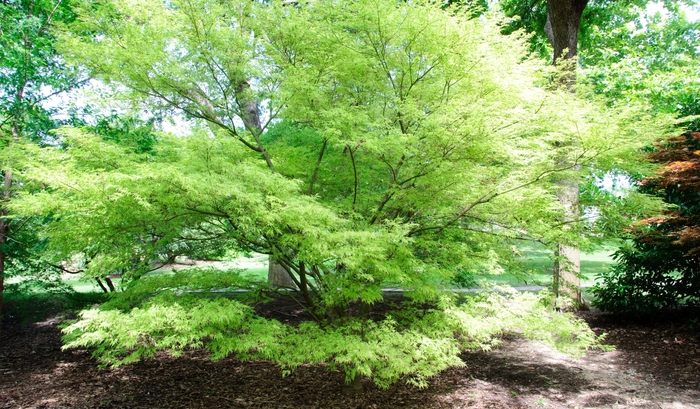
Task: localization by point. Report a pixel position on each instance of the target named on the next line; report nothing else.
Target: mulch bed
(662, 356)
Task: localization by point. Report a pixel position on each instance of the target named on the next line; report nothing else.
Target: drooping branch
(65, 270)
(314, 176)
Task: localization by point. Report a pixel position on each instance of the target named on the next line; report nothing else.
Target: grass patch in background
(82, 286)
(255, 266)
(536, 267)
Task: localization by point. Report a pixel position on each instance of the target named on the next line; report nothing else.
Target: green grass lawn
(536, 267)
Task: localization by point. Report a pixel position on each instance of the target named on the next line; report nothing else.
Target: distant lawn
(82, 286)
(536, 268)
(254, 268)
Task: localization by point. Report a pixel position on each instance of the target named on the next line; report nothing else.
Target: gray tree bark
(563, 22)
(567, 262)
(278, 276)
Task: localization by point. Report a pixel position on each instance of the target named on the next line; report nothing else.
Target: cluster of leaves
(412, 344)
(30, 69)
(661, 265)
(650, 58)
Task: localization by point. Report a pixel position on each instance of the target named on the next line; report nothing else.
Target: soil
(656, 364)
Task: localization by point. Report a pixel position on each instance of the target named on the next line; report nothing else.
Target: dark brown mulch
(657, 364)
(666, 345)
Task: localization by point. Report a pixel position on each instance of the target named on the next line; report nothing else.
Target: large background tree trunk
(567, 262)
(563, 22)
(277, 276)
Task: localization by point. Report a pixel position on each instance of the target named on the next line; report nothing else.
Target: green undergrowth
(411, 343)
(37, 306)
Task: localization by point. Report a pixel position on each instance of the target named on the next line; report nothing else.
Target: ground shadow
(37, 373)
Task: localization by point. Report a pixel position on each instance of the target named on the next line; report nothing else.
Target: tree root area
(656, 364)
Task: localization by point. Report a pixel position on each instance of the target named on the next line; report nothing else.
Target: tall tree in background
(652, 58)
(30, 73)
(562, 26)
(596, 26)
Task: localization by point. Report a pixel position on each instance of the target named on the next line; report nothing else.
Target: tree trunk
(278, 276)
(110, 284)
(354, 387)
(563, 22)
(102, 286)
(4, 227)
(567, 263)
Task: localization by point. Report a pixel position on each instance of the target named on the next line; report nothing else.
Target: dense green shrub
(645, 282)
(412, 343)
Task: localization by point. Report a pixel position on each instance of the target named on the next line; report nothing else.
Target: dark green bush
(648, 279)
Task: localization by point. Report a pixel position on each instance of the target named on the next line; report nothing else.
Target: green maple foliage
(358, 145)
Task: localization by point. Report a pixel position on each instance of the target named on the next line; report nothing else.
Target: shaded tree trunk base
(278, 277)
(567, 282)
(354, 387)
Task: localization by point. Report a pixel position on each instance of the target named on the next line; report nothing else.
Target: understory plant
(410, 344)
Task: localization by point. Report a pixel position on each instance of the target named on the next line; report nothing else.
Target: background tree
(606, 32)
(628, 52)
(31, 72)
(562, 26)
(604, 26)
(650, 59)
